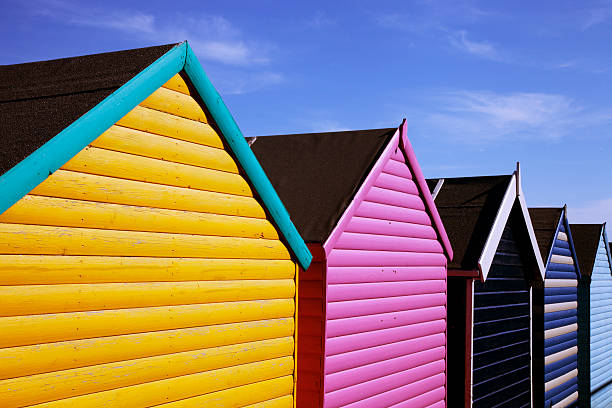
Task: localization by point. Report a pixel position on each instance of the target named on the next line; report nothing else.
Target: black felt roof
(586, 240)
(468, 206)
(545, 222)
(317, 174)
(40, 99)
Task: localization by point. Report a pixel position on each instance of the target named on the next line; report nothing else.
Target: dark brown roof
(317, 174)
(40, 99)
(468, 206)
(545, 222)
(586, 240)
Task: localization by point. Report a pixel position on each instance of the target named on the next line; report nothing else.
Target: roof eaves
(422, 186)
(245, 156)
(513, 192)
(35, 168)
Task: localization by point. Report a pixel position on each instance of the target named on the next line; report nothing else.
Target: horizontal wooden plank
(47, 328)
(398, 168)
(386, 181)
(177, 83)
(362, 374)
(45, 269)
(364, 357)
(126, 140)
(348, 257)
(372, 242)
(102, 162)
(561, 355)
(391, 228)
(61, 212)
(280, 402)
(567, 401)
(367, 307)
(431, 372)
(395, 198)
(38, 299)
(362, 341)
(388, 212)
(379, 321)
(42, 240)
(278, 390)
(557, 307)
(175, 103)
(90, 187)
(46, 387)
(561, 259)
(562, 236)
(351, 274)
(164, 124)
(560, 330)
(64, 355)
(174, 389)
(355, 291)
(560, 283)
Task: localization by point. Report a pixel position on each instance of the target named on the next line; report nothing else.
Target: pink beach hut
(372, 305)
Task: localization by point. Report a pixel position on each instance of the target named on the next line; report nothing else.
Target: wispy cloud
(598, 14)
(320, 20)
(326, 125)
(481, 49)
(213, 38)
(596, 211)
(480, 116)
(238, 83)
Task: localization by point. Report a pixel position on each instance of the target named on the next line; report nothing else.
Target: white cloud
(213, 38)
(477, 116)
(481, 49)
(591, 212)
(238, 83)
(325, 125)
(320, 20)
(597, 15)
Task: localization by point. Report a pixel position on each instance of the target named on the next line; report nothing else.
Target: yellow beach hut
(145, 259)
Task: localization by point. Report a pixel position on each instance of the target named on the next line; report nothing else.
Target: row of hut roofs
(152, 256)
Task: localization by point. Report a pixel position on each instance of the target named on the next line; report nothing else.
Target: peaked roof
(474, 211)
(545, 222)
(96, 97)
(40, 99)
(317, 174)
(586, 242)
(468, 207)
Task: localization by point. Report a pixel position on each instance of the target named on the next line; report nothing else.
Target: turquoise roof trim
(34, 169)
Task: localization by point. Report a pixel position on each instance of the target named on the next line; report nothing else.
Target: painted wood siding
(144, 273)
(386, 299)
(311, 326)
(561, 325)
(501, 332)
(601, 329)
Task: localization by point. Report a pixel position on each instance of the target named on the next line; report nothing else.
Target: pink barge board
(372, 306)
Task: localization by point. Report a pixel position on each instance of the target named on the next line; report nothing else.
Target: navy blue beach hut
(495, 268)
(555, 315)
(594, 315)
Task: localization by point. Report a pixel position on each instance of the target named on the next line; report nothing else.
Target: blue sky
(482, 84)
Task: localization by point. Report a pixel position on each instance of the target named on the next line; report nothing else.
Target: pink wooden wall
(385, 334)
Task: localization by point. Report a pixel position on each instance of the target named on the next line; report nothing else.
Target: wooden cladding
(144, 272)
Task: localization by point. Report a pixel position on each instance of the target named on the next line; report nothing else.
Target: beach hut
(145, 259)
(371, 331)
(594, 315)
(496, 264)
(555, 314)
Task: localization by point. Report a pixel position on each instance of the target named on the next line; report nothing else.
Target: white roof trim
(513, 192)
(437, 188)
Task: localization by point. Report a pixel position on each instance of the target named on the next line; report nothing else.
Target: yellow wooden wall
(144, 273)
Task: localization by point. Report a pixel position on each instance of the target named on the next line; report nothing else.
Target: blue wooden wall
(501, 345)
(601, 328)
(561, 323)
